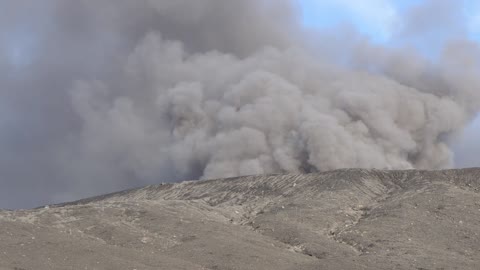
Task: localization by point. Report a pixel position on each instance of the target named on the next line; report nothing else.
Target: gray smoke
(103, 95)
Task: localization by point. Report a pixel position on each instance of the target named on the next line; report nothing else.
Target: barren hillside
(344, 219)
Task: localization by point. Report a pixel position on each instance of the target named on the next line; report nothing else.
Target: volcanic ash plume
(172, 90)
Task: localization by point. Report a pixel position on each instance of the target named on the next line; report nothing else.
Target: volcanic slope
(343, 219)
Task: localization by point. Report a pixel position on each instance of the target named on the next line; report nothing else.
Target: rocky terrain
(344, 219)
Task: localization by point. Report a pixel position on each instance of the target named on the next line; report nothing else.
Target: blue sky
(378, 19)
(375, 18)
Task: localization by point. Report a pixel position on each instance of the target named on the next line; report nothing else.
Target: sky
(375, 18)
(380, 21)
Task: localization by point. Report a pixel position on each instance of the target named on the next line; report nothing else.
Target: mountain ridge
(342, 219)
(162, 186)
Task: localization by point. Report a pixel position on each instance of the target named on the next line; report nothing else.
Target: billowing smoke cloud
(103, 95)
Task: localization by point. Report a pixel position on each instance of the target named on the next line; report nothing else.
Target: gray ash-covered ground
(344, 219)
